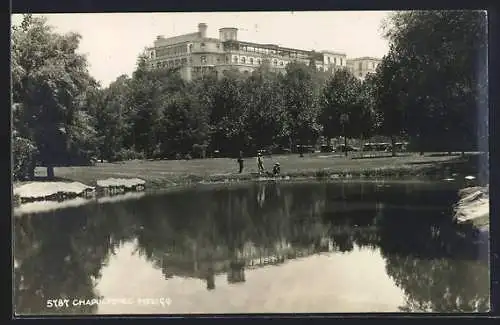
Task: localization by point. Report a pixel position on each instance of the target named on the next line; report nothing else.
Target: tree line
(430, 88)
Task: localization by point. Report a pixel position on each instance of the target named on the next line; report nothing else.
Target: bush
(127, 154)
(199, 150)
(24, 154)
(157, 152)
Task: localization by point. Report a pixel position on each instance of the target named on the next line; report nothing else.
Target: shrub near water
(24, 154)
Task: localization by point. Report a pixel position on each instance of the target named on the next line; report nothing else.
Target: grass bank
(163, 174)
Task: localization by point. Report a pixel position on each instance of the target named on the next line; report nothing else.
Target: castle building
(360, 67)
(196, 54)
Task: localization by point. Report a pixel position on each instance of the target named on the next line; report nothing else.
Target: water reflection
(299, 243)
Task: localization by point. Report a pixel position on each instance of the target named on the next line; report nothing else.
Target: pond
(254, 248)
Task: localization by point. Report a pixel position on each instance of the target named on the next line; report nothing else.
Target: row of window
(203, 60)
(243, 60)
(274, 52)
(202, 46)
(371, 65)
(169, 51)
(171, 63)
(178, 50)
(217, 60)
(265, 51)
(341, 61)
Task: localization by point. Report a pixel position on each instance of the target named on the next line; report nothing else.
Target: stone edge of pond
(113, 186)
(63, 191)
(472, 207)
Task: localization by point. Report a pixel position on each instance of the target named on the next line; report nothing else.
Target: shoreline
(100, 187)
(393, 173)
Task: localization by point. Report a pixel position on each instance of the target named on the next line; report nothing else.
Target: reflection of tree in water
(441, 285)
(60, 255)
(229, 228)
(433, 262)
(201, 233)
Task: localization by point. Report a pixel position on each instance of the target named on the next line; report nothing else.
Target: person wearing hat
(240, 161)
(260, 163)
(276, 169)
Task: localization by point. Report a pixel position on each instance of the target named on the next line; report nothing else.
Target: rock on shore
(49, 190)
(127, 183)
(473, 206)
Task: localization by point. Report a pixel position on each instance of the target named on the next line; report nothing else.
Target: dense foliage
(52, 95)
(433, 82)
(430, 87)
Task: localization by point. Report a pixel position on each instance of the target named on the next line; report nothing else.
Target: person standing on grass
(240, 161)
(260, 163)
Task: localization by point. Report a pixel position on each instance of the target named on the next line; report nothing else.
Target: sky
(113, 41)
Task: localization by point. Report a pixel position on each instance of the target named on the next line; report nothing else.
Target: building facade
(360, 67)
(196, 54)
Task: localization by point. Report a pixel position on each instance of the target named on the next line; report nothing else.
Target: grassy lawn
(161, 173)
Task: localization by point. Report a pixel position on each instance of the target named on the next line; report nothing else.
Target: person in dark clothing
(276, 169)
(260, 163)
(240, 161)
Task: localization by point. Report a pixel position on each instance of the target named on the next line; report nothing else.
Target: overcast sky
(113, 41)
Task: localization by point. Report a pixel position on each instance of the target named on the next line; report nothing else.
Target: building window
(281, 63)
(227, 59)
(259, 61)
(218, 45)
(202, 44)
(243, 60)
(218, 60)
(203, 59)
(190, 47)
(251, 60)
(235, 59)
(341, 61)
(335, 61)
(360, 66)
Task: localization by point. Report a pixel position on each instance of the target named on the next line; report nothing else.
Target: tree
(442, 65)
(300, 103)
(266, 120)
(50, 81)
(114, 125)
(341, 108)
(145, 113)
(228, 116)
(389, 98)
(184, 124)
(368, 122)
